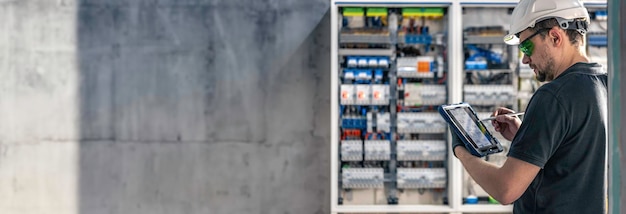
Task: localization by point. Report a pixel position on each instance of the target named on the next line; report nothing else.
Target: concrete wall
(164, 106)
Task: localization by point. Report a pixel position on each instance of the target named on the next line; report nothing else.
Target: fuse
(417, 178)
(422, 122)
(427, 150)
(420, 94)
(377, 150)
(362, 178)
(351, 150)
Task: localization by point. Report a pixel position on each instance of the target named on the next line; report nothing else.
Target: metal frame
(617, 132)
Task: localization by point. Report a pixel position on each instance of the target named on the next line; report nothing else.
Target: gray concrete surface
(164, 106)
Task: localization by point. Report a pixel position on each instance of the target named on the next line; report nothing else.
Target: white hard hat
(529, 12)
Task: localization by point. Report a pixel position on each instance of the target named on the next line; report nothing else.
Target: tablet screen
(471, 127)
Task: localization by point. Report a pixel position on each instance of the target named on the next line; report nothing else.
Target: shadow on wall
(191, 107)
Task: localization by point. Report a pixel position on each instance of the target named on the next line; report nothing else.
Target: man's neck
(571, 56)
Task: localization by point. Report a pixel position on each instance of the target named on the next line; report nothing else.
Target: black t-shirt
(565, 133)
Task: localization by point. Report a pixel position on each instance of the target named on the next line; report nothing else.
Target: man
(557, 161)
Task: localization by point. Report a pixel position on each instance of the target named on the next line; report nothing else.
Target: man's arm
(507, 183)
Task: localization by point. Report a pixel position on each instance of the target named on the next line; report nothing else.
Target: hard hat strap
(579, 25)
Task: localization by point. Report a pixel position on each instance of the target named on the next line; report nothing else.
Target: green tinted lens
(526, 47)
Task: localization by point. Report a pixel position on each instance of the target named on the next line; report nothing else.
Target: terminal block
(349, 36)
(353, 122)
(349, 75)
(377, 150)
(363, 74)
(362, 178)
(426, 150)
(420, 94)
(367, 61)
(421, 178)
(351, 150)
(421, 122)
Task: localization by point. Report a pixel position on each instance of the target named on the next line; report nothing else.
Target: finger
(496, 112)
(503, 110)
(499, 127)
(506, 119)
(495, 124)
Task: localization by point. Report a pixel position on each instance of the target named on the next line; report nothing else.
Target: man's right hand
(506, 125)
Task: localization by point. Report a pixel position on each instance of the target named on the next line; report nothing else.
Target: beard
(547, 72)
(541, 76)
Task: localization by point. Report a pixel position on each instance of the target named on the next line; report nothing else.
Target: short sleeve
(543, 129)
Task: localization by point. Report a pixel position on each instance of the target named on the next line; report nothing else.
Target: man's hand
(506, 125)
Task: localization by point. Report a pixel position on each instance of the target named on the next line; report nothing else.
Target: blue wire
(342, 108)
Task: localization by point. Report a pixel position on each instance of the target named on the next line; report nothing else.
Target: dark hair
(574, 36)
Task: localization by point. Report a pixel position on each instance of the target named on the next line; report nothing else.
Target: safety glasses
(527, 46)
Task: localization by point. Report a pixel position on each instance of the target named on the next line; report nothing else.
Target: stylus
(511, 114)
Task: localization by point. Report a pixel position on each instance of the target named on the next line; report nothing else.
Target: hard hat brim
(511, 39)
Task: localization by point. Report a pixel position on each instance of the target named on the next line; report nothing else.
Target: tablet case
(495, 147)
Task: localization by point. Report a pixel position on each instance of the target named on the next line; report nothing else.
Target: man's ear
(556, 36)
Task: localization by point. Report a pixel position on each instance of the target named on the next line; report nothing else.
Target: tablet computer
(465, 124)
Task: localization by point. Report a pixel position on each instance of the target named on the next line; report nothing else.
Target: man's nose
(525, 59)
